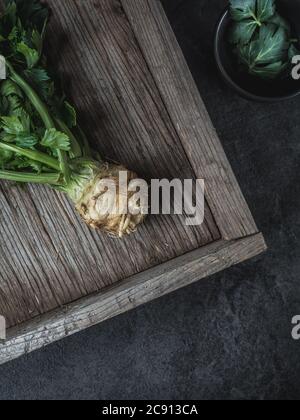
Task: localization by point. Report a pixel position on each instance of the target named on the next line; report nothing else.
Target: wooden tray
(139, 105)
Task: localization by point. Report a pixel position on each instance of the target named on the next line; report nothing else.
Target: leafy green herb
(40, 80)
(279, 21)
(270, 47)
(242, 32)
(40, 140)
(5, 157)
(31, 13)
(69, 114)
(259, 11)
(26, 121)
(56, 140)
(31, 55)
(12, 125)
(9, 88)
(17, 130)
(261, 37)
(265, 10)
(242, 9)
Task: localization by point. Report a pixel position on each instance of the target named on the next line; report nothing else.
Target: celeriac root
(93, 203)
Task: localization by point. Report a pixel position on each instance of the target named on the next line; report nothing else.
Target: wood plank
(48, 257)
(189, 116)
(129, 294)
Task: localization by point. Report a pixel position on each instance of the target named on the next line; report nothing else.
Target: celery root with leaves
(40, 140)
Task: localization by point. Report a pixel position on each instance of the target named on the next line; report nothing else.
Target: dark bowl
(248, 86)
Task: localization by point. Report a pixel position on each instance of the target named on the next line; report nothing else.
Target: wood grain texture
(48, 257)
(189, 116)
(129, 294)
(139, 106)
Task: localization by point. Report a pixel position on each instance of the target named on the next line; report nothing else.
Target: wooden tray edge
(190, 118)
(129, 294)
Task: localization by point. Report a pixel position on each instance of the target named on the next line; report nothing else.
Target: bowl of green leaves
(257, 47)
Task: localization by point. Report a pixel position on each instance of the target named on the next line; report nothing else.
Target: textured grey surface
(230, 336)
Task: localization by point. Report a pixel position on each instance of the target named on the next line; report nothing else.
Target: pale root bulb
(100, 208)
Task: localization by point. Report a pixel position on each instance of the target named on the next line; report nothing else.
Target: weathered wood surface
(189, 116)
(138, 290)
(139, 105)
(48, 257)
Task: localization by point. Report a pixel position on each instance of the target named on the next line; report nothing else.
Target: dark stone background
(228, 337)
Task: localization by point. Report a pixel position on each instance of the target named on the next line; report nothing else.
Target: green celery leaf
(21, 162)
(32, 13)
(273, 44)
(7, 138)
(278, 20)
(11, 13)
(4, 105)
(36, 166)
(5, 156)
(38, 75)
(69, 115)
(55, 139)
(8, 88)
(40, 80)
(15, 105)
(37, 41)
(26, 140)
(242, 9)
(25, 121)
(12, 125)
(13, 98)
(259, 11)
(17, 130)
(267, 55)
(31, 55)
(270, 47)
(15, 35)
(242, 32)
(8, 20)
(270, 71)
(265, 10)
